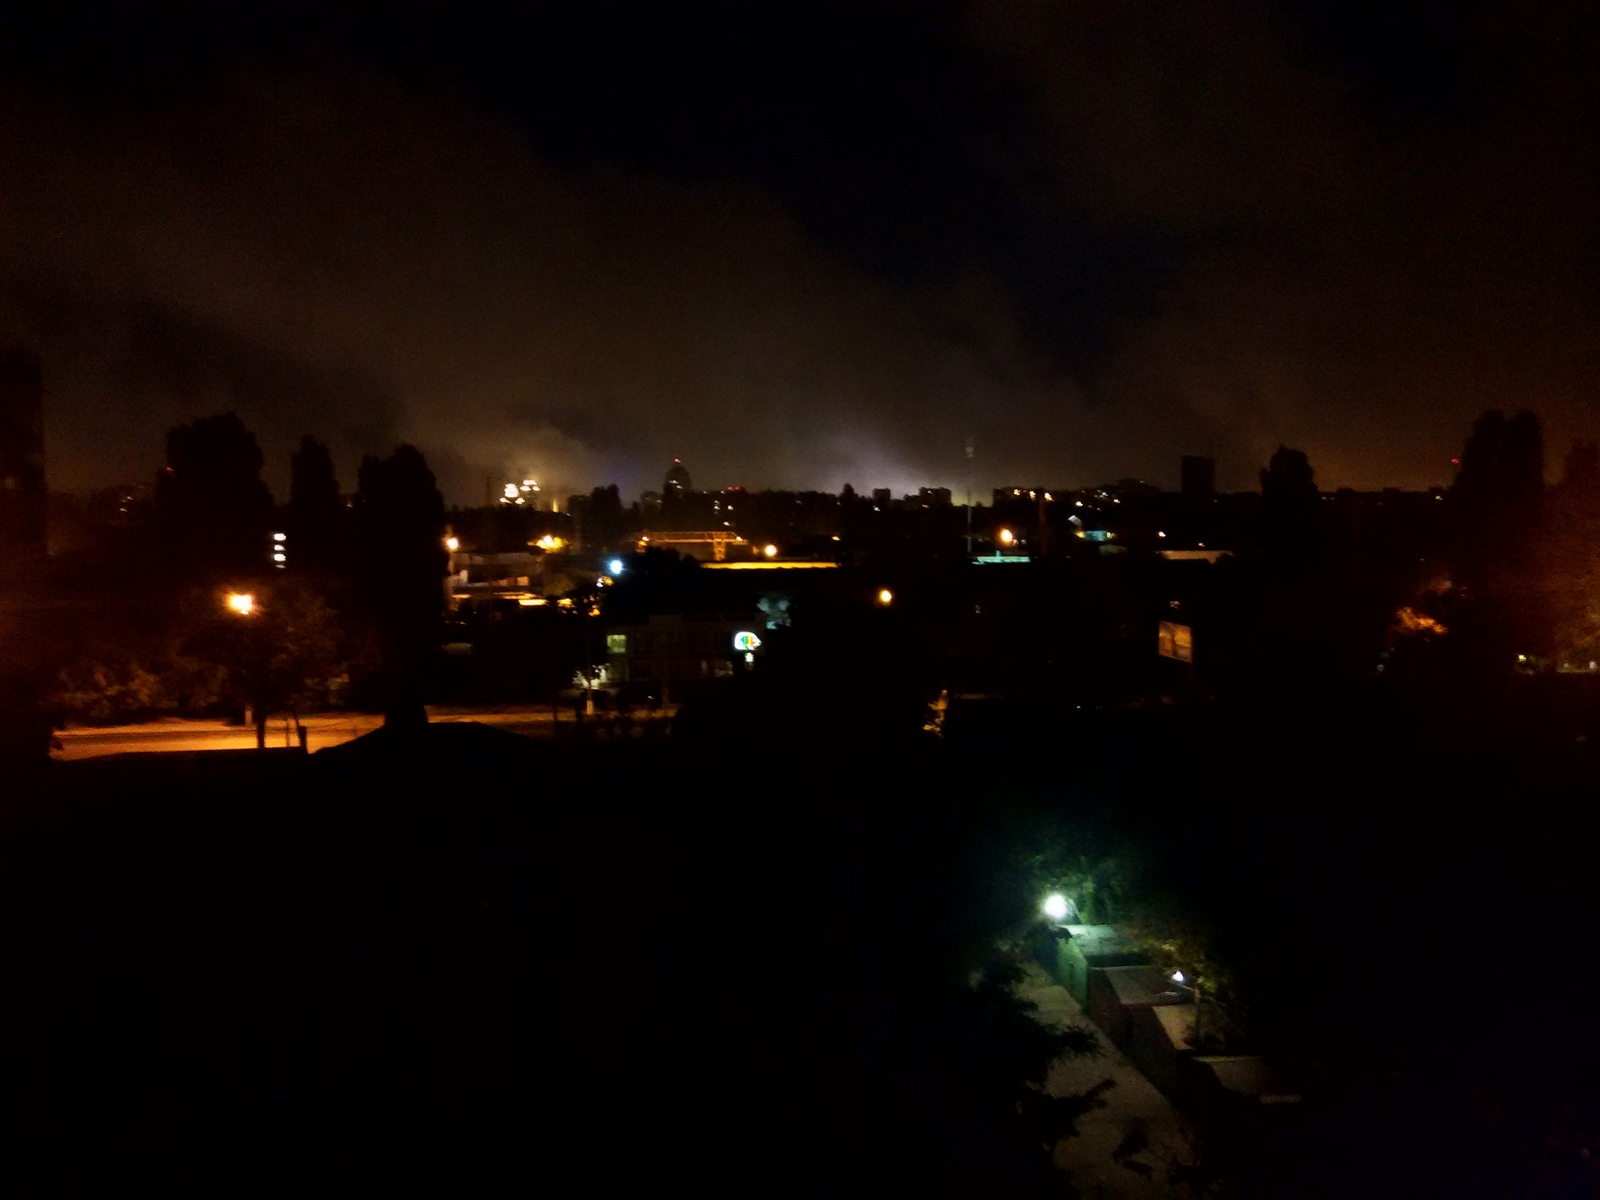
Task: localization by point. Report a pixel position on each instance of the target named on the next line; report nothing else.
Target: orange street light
(452, 544)
(1007, 537)
(242, 603)
(885, 597)
(770, 550)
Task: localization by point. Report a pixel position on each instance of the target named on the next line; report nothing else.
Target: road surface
(174, 733)
(1132, 1107)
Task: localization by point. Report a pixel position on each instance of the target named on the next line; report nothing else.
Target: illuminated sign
(1175, 641)
(744, 642)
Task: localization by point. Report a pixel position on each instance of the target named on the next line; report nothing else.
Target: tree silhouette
(1581, 472)
(602, 519)
(1500, 479)
(1288, 479)
(1573, 556)
(315, 512)
(1288, 502)
(401, 562)
(211, 504)
(1500, 557)
(1522, 460)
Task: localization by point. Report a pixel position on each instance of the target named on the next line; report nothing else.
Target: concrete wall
(1115, 993)
(1159, 1041)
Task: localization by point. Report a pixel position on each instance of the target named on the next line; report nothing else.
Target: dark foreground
(738, 961)
(472, 964)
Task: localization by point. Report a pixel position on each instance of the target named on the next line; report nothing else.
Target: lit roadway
(322, 731)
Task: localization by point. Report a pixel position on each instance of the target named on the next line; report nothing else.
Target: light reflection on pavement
(332, 729)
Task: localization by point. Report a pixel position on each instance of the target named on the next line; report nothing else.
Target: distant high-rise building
(22, 487)
(1199, 476)
(881, 498)
(677, 484)
(933, 497)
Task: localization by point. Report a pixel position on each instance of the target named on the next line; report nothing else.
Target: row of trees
(1522, 588)
(1501, 573)
(352, 616)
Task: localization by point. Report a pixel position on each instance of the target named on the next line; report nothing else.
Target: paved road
(322, 731)
(1133, 1104)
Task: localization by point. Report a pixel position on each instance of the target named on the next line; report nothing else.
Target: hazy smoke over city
(1115, 254)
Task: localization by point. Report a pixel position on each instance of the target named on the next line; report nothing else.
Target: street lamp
(1056, 906)
(1007, 538)
(242, 603)
(885, 597)
(1178, 978)
(615, 566)
(452, 544)
(770, 550)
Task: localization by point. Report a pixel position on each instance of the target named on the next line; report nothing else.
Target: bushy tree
(1500, 611)
(211, 504)
(1289, 502)
(602, 518)
(401, 561)
(315, 511)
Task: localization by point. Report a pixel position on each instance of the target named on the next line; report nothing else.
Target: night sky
(800, 244)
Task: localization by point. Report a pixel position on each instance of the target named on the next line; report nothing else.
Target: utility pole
(588, 664)
(971, 449)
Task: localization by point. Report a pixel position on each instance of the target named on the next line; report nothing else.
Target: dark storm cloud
(1383, 220)
(799, 244)
(325, 251)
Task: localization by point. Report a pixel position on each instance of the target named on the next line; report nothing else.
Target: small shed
(1081, 949)
(1116, 993)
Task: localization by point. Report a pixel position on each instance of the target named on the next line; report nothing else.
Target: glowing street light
(242, 603)
(1007, 538)
(615, 566)
(452, 544)
(885, 597)
(1177, 977)
(770, 550)
(1056, 906)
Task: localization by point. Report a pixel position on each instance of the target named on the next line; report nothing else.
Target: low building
(672, 650)
(1117, 994)
(1078, 950)
(484, 577)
